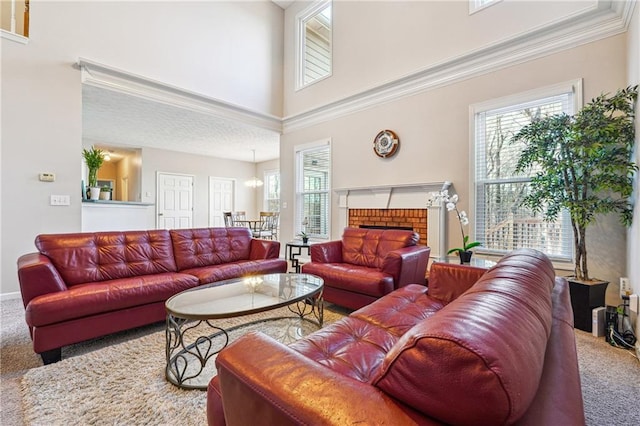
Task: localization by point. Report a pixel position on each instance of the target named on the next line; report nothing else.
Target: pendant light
(254, 182)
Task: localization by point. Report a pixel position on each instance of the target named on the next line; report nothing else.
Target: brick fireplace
(415, 219)
(397, 205)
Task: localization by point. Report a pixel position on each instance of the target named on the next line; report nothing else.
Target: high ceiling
(119, 121)
(114, 119)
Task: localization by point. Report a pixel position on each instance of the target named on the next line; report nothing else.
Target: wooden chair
(268, 226)
(238, 217)
(228, 219)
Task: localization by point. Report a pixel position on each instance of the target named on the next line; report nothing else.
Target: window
(313, 165)
(15, 20)
(478, 5)
(272, 190)
(313, 44)
(501, 223)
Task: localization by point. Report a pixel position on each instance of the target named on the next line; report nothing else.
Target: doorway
(175, 201)
(221, 197)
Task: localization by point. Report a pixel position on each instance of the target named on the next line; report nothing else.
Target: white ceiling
(114, 119)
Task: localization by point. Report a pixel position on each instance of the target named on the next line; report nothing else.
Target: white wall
(433, 127)
(633, 75)
(185, 44)
(201, 167)
(375, 42)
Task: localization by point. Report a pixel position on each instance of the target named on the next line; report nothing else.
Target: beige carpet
(125, 383)
(119, 379)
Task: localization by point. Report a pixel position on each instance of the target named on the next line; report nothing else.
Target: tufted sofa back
(194, 248)
(100, 256)
(484, 351)
(368, 247)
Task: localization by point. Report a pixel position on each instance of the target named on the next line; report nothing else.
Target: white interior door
(221, 196)
(175, 201)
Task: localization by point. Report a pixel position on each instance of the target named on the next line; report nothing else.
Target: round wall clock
(386, 143)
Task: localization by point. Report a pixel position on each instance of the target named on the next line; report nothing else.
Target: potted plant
(451, 202)
(93, 158)
(304, 236)
(583, 163)
(105, 193)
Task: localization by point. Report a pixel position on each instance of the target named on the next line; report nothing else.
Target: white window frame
(478, 5)
(574, 86)
(267, 176)
(298, 188)
(300, 43)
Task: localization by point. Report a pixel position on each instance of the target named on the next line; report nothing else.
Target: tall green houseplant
(94, 158)
(583, 163)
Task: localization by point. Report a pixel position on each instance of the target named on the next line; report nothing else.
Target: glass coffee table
(193, 338)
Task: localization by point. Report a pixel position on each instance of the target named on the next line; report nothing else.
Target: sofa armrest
(329, 252)
(38, 276)
(447, 281)
(264, 249)
(407, 265)
(284, 387)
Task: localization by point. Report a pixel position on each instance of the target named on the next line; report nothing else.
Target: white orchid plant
(451, 202)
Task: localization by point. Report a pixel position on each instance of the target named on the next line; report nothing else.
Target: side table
(294, 249)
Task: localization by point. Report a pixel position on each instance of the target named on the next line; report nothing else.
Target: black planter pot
(305, 240)
(465, 257)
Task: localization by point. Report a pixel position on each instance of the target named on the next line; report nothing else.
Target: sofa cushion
(88, 299)
(473, 359)
(210, 274)
(195, 248)
(100, 256)
(368, 247)
(356, 346)
(354, 278)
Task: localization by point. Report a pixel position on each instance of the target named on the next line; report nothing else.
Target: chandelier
(254, 182)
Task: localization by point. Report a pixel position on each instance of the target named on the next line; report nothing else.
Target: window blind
(501, 223)
(312, 191)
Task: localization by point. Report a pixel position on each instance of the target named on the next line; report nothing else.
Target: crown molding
(105, 77)
(605, 19)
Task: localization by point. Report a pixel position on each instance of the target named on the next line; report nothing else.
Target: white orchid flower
(451, 206)
(454, 199)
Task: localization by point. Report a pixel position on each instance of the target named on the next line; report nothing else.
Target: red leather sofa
(366, 264)
(488, 348)
(85, 285)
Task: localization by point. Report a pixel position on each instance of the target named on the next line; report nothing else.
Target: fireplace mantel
(401, 196)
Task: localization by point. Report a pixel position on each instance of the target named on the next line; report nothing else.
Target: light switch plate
(60, 200)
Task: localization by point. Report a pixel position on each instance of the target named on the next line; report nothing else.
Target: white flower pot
(105, 195)
(94, 193)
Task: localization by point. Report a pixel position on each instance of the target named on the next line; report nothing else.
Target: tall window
(272, 191)
(313, 44)
(502, 224)
(313, 168)
(478, 5)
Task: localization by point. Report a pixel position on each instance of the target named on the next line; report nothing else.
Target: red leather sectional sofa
(474, 348)
(85, 285)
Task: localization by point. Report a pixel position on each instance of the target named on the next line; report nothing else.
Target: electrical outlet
(625, 287)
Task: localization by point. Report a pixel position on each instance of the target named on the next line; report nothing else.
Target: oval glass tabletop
(242, 296)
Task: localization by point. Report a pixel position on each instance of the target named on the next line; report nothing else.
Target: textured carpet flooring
(119, 379)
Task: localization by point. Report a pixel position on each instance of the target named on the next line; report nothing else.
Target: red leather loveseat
(85, 285)
(366, 264)
(502, 351)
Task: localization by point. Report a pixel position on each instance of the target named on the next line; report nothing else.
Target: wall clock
(386, 143)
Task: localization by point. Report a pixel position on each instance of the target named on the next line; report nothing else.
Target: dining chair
(237, 218)
(268, 225)
(228, 219)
